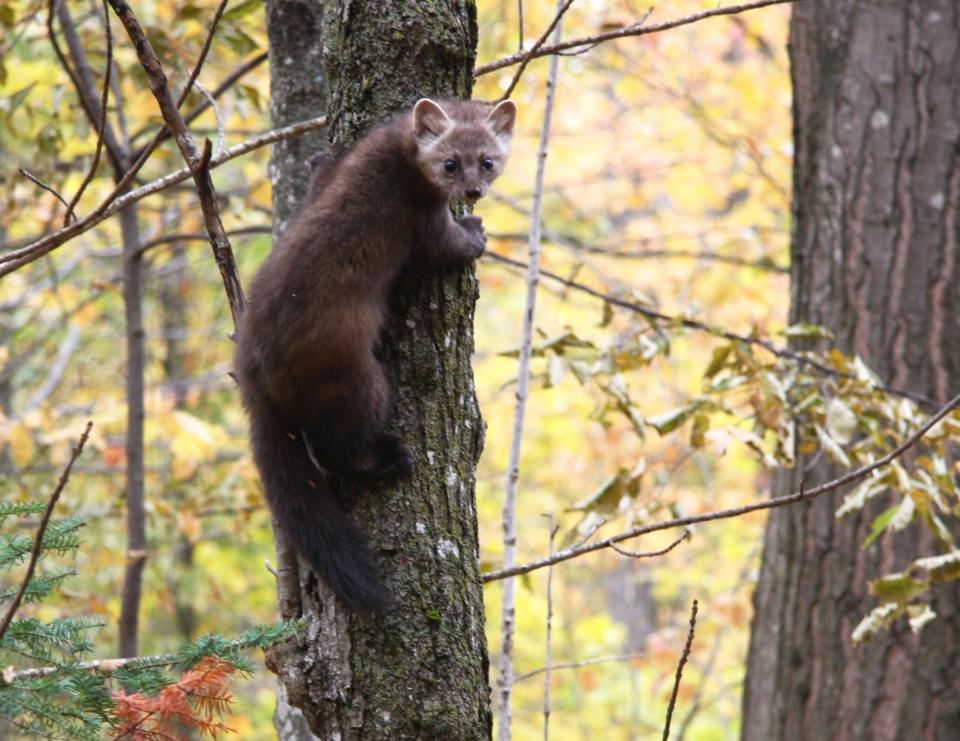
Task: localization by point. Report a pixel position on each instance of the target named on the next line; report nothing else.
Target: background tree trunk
(875, 256)
(419, 671)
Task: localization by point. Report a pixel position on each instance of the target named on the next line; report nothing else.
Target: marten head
(462, 145)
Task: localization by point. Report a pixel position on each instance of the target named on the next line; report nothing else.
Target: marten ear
(429, 119)
(502, 118)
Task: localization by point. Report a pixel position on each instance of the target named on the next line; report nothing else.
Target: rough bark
(419, 671)
(875, 256)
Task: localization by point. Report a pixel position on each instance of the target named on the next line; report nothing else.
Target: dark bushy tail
(307, 512)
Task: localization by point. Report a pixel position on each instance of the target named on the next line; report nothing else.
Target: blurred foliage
(667, 187)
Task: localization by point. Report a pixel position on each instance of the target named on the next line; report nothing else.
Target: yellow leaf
(21, 444)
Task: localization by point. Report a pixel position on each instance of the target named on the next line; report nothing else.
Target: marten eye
(450, 166)
(487, 164)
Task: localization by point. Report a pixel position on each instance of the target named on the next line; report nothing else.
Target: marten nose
(473, 194)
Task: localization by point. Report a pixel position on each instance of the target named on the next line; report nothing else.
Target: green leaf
(805, 331)
(717, 360)
(940, 568)
(900, 588)
(879, 524)
(17, 99)
(243, 9)
(8, 16)
(701, 424)
(669, 421)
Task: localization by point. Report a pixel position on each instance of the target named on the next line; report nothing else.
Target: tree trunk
(420, 670)
(875, 256)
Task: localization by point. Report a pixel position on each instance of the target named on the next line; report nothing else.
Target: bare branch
(101, 124)
(520, 25)
(82, 79)
(222, 251)
(679, 321)
(44, 521)
(650, 554)
(164, 132)
(634, 29)
(548, 659)
(196, 237)
(578, 665)
(508, 608)
(725, 514)
(527, 56)
(199, 162)
(228, 82)
(683, 660)
(17, 258)
(37, 181)
(764, 264)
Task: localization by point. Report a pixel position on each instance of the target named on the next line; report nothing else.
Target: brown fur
(305, 346)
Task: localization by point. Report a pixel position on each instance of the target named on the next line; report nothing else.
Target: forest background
(667, 186)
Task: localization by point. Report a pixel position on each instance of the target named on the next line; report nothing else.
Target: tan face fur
(462, 146)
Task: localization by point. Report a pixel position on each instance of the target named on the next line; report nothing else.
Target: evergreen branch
(262, 637)
(38, 543)
(803, 495)
(20, 509)
(39, 587)
(634, 29)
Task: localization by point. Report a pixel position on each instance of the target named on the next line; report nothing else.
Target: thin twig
(17, 258)
(578, 665)
(221, 125)
(725, 514)
(683, 660)
(548, 659)
(651, 554)
(508, 608)
(37, 181)
(634, 29)
(164, 131)
(519, 25)
(81, 75)
(101, 124)
(527, 56)
(680, 321)
(44, 521)
(197, 237)
(228, 82)
(765, 264)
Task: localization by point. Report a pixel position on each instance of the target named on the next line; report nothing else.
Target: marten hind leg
(347, 435)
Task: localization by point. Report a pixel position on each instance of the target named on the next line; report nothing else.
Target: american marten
(305, 345)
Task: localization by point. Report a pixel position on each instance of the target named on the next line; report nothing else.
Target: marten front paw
(396, 456)
(476, 237)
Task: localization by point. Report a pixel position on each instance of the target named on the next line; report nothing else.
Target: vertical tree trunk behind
(875, 256)
(419, 671)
